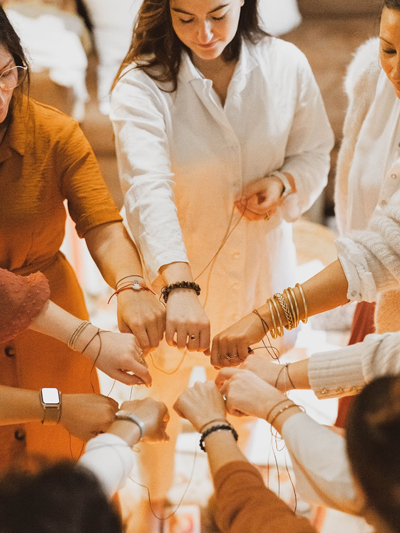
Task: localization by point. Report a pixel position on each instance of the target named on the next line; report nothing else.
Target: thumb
(225, 374)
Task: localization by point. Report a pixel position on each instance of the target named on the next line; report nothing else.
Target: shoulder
(364, 66)
(278, 50)
(49, 118)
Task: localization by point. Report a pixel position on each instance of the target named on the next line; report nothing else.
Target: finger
(225, 374)
(130, 379)
(169, 334)
(214, 352)
(253, 188)
(161, 324)
(181, 336)
(143, 339)
(205, 338)
(152, 334)
(243, 352)
(177, 408)
(193, 342)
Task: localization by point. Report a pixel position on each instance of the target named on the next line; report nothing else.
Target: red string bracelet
(132, 286)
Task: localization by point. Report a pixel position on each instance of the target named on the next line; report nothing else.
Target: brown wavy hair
(373, 446)
(155, 44)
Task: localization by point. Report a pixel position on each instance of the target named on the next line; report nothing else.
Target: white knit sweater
(379, 245)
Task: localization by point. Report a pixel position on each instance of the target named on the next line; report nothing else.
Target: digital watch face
(50, 396)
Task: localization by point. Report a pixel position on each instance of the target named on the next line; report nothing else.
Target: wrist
(125, 430)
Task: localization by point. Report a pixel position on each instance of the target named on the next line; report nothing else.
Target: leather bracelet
(222, 427)
(212, 422)
(165, 291)
(124, 414)
(127, 277)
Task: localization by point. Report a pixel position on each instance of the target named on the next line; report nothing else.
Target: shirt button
(324, 391)
(9, 351)
(354, 293)
(20, 434)
(393, 176)
(383, 202)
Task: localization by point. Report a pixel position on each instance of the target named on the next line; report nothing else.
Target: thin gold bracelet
(305, 319)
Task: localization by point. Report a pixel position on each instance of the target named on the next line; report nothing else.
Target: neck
(210, 67)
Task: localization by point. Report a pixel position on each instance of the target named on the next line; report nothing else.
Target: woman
(69, 498)
(24, 302)
(45, 160)
(243, 503)
(367, 205)
(214, 120)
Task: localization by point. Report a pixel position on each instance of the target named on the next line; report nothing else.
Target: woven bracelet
(165, 291)
(222, 427)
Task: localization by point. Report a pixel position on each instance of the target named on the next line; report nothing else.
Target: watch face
(50, 396)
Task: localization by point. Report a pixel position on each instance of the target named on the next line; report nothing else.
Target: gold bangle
(305, 319)
(284, 408)
(293, 305)
(77, 333)
(273, 330)
(286, 310)
(279, 330)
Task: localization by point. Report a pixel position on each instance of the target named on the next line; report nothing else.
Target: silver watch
(51, 400)
(127, 415)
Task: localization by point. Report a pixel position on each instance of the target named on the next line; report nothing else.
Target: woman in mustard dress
(44, 160)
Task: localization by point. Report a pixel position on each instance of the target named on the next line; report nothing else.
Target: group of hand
(241, 391)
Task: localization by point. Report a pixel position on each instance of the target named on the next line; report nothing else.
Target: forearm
(176, 272)
(18, 406)
(114, 252)
(324, 291)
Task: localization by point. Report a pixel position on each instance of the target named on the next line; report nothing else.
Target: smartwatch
(50, 398)
(123, 414)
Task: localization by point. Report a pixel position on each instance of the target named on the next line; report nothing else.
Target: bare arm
(326, 290)
(116, 257)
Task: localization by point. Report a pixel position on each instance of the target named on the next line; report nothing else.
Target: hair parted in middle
(156, 49)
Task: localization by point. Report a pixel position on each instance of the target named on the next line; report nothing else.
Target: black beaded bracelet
(179, 285)
(216, 428)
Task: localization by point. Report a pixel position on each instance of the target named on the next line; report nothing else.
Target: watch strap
(127, 415)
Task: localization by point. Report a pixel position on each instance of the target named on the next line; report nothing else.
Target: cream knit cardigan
(380, 242)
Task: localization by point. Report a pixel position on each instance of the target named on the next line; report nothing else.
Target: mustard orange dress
(44, 160)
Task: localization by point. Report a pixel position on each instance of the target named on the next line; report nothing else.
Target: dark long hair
(10, 40)
(392, 4)
(63, 498)
(373, 446)
(155, 44)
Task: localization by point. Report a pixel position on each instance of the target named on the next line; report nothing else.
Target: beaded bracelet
(221, 427)
(165, 291)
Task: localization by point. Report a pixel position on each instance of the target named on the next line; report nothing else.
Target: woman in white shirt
(367, 198)
(220, 130)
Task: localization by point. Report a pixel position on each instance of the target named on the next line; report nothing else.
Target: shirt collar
(188, 72)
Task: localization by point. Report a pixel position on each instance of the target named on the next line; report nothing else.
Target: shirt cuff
(110, 459)
(361, 283)
(337, 373)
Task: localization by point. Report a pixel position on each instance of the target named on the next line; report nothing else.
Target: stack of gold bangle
(291, 309)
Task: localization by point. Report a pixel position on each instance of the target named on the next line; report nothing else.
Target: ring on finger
(193, 337)
(230, 357)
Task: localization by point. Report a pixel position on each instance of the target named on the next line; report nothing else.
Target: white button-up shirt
(184, 160)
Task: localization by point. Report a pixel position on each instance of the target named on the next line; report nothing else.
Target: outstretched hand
(201, 404)
(154, 416)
